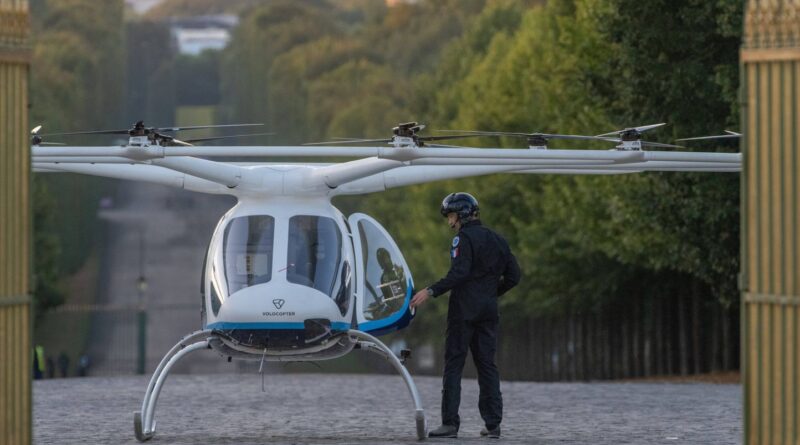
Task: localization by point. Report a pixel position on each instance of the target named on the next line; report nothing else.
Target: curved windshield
(315, 255)
(247, 250)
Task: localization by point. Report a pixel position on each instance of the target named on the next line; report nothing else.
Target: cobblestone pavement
(377, 409)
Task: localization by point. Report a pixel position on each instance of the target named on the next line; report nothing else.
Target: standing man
(482, 268)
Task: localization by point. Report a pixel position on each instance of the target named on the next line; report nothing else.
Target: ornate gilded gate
(771, 222)
(15, 226)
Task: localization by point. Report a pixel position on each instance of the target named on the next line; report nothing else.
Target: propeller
(628, 138)
(154, 134)
(534, 139)
(214, 138)
(631, 138)
(406, 130)
(729, 135)
(139, 129)
(36, 138)
(633, 130)
(170, 141)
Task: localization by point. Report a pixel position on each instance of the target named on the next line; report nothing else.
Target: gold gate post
(770, 73)
(15, 226)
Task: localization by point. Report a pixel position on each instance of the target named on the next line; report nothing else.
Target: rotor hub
(537, 141)
(405, 135)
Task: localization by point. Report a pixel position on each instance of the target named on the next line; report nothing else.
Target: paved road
(175, 227)
(376, 409)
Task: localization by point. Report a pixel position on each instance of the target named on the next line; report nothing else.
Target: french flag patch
(454, 252)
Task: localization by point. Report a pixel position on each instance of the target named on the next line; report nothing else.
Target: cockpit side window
(385, 277)
(248, 245)
(315, 254)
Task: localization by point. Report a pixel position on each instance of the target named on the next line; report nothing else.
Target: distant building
(140, 6)
(391, 3)
(193, 35)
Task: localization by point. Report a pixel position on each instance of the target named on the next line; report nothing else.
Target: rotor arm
(335, 175)
(431, 164)
(431, 169)
(421, 174)
(683, 156)
(225, 174)
(138, 172)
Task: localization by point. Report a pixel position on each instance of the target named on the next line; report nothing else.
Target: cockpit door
(384, 286)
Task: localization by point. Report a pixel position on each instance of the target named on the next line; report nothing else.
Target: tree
(75, 84)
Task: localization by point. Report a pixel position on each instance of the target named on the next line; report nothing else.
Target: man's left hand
(419, 298)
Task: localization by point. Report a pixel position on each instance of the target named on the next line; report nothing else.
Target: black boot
(444, 431)
(493, 433)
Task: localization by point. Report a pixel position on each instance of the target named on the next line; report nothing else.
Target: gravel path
(376, 409)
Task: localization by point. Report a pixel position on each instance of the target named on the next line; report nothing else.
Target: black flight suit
(482, 268)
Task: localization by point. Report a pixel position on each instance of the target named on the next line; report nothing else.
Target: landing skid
(370, 343)
(144, 424)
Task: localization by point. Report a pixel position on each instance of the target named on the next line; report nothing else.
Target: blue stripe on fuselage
(225, 325)
(398, 320)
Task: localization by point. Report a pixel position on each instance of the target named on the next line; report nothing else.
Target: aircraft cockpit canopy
(311, 254)
(247, 251)
(314, 257)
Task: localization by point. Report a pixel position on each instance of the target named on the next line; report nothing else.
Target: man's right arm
(511, 275)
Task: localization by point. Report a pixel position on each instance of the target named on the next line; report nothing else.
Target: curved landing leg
(143, 421)
(370, 343)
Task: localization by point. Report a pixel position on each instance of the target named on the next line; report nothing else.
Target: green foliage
(681, 222)
(586, 244)
(149, 84)
(263, 34)
(75, 84)
(187, 8)
(47, 250)
(199, 79)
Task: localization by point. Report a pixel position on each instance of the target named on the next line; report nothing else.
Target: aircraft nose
(278, 303)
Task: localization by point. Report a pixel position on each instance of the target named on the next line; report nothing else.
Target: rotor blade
(527, 135)
(659, 144)
(177, 142)
(649, 127)
(201, 127)
(225, 137)
(36, 129)
(721, 136)
(349, 141)
(639, 129)
(444, 146)
(72, 133)
(441, 138)
(51, 143)
(578, 137)
(485, 133)
(733, 133)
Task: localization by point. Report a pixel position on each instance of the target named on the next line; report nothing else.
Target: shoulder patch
(455, 241)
